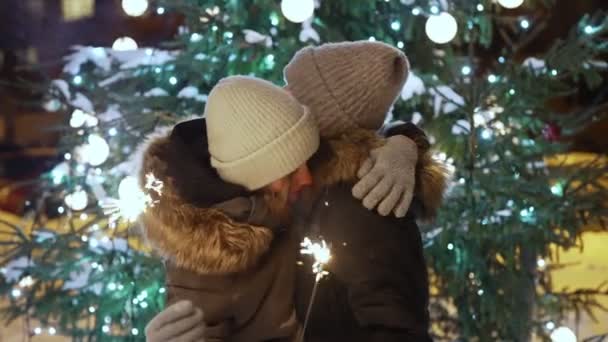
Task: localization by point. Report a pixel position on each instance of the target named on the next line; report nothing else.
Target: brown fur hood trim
(338, 160)
(187, 231)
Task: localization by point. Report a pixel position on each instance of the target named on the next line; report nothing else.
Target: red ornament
(552, 132)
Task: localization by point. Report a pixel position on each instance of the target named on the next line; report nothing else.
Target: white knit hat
(257, 132)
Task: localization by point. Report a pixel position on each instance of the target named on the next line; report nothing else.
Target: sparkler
(132, 201)
(321, 254)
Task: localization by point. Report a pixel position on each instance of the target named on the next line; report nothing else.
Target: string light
(492, 78)
(298, 11)
(416, 11)
(563, 334)
(96, 151)
(525, 24)
(396, 25)
(160, 11)
(196, 37)
(466, 70)
(105, 329)
(77, 200)
(92, 309)
(550, 325)
(173, 80)
(480, 7)
(52, 331)
(510, 3)
(26, 282)
(38, 331)
(541, 263)
(501, 60)
(135, 8)
(441, 28)
(557, 189)
(435, 9)
(450, 246)
(400, 44)
(134, 331)
(124, 44)
(16, 293)
(77, 80)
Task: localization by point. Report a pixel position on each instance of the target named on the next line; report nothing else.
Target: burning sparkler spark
(321, 254)
(132, 201)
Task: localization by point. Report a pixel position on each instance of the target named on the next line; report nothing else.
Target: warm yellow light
(77, 9)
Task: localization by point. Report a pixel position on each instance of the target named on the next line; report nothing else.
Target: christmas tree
(78, 266)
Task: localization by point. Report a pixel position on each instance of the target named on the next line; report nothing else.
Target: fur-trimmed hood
(183, 226)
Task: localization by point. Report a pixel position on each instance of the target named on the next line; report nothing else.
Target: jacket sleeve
(431, 174)
(410, 130)
(380, 261)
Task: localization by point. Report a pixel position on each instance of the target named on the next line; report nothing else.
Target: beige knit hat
(257, 131)
(348, 84)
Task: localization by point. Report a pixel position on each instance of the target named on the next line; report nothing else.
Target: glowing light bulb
(160, 10)
(510, 3)
(96, 151)
(135, 8)
(134, 331)
(563, 334)
(466, 70)
(77, 200)
(124, 44)
(52, 331)
(450, 246)
(441, 28)
(298, 11)
(525, 24)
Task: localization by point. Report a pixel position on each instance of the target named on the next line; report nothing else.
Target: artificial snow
(535, 64)
(82, 102)
(84, 54)
(63, 87)
(445, 99)
(156, 92)
(414, 86)
(254, 37)
(191, 92)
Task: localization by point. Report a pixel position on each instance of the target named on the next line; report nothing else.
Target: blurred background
(35, 35)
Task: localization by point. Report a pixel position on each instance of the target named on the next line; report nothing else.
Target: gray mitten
(388, 177)
(180, 322)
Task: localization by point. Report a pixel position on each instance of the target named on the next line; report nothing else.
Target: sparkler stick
(321, 255)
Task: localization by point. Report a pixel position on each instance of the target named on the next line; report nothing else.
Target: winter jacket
(241, 275)
(377, 286)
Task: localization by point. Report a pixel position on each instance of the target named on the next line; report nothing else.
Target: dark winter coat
(241, 275)
(377, 287)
